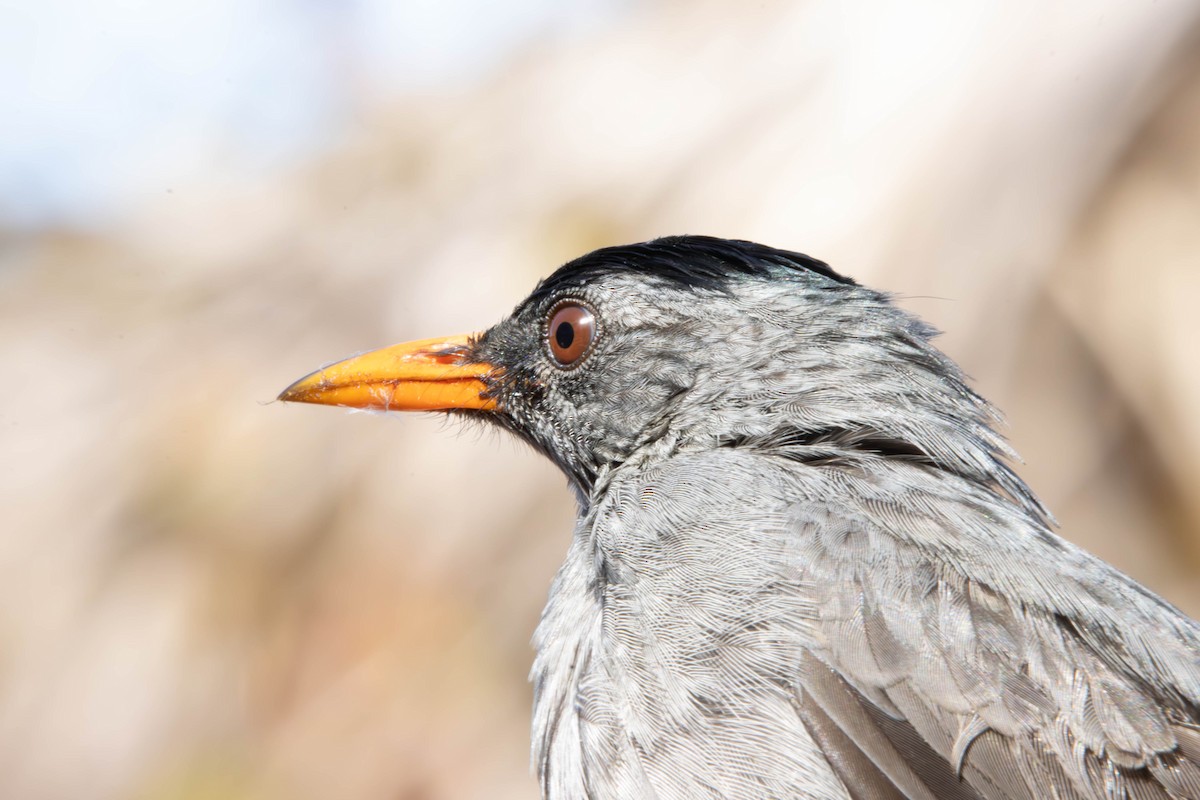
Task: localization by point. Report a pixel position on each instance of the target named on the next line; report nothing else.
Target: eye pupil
(569, 333)
(564, 334)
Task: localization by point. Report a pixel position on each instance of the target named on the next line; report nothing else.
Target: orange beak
(429, 375)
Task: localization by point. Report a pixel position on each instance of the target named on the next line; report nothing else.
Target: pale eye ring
(570, 333)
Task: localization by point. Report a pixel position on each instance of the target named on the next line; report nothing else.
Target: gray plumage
(802, 566)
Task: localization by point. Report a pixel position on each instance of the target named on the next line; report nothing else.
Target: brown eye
(572, 328)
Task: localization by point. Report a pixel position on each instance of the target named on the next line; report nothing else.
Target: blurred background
(205, 594)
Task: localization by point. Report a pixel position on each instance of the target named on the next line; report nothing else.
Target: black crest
(697, 262)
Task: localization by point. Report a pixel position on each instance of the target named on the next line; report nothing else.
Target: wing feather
(1014, 699)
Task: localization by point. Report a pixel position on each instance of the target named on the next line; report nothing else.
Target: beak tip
(298, 391)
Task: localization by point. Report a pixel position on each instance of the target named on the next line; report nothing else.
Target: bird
(803, 565)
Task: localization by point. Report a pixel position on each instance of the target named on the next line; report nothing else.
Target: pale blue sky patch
(106, 101)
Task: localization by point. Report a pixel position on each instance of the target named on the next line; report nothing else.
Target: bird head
(632, 353)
